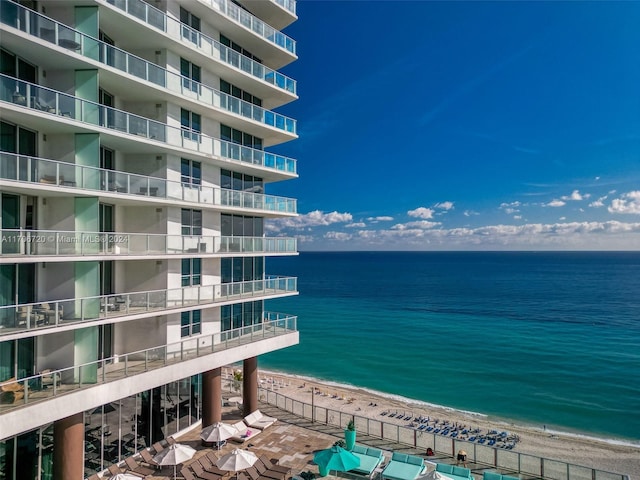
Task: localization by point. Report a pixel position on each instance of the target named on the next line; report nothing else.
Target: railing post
(126, 365)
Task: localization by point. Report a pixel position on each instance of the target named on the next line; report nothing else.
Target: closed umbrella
(218, 432)
(174, 455)
(335, 458)
(125, 476)
(237, 460)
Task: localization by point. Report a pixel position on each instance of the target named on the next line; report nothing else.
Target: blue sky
(474, 126)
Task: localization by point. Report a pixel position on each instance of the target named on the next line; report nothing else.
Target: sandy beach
(588, 452)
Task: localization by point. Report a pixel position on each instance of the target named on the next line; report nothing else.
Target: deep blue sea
(530, 338)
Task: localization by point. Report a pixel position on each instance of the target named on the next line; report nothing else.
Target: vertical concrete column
(211, 397)
(68, 447)
(250, 385)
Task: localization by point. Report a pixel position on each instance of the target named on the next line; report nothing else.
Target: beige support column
(250, 385)
(211, 397)
(68, 447)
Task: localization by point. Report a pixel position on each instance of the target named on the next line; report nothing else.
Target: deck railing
(211, 47)
(54, 32)
(57, 313)
(55, 382)
(53, 102)
(43, 171)
(506, 460)
(72, 243)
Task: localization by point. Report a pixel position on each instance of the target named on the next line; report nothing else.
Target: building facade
(134, 163)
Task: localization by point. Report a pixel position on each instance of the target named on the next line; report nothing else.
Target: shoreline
(612, 455)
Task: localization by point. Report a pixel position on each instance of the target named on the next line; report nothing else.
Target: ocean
(548, 338)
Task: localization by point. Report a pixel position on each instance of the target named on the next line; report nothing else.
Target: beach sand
(577, 450)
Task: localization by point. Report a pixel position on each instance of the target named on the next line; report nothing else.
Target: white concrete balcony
(253, 25)
(77, 312)
(274, 47)
(82, 384)
(56, 104)
(278, 89)
(22, 246)
(235, 111)
(277, 13)
(21, 174)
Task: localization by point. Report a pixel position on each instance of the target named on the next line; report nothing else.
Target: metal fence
(507, 460)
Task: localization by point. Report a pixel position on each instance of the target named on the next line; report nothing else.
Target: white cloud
(627, 203)
(562, 219)
(555, 203)
(340, 236)
(421, 224)
(517, 217)
(356, 225)
(382, 218)
(468, 213)
(421, 212)
(576, 196)
(598, 203)
(311, 219)
(511, 207)
(444, 205)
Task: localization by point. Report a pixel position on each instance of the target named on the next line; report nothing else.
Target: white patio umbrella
(237, 460)
(433, 475)
(218, 432)
(125, 476)
(174, 455)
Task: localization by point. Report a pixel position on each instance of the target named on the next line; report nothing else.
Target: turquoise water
(533, 338)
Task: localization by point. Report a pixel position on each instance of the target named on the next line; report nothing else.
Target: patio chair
(187, 474)
(171, 441)
(115, 469)
(157, 447)
(200, 472)
(265, 472)
(254, 475)
(210, 467)
(138, 469)
(273, 465)
(148, 459)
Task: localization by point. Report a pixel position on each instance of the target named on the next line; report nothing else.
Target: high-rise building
(134, 163)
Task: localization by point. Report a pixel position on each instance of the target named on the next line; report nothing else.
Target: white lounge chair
(244, 432)
(258, 420)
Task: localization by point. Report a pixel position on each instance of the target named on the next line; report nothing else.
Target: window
(190, 75)
(191, 222)
(234, 46)
(234, 91)
(191, 124)
(190, 323)
(191, 271)
(190, 172)
(239, 181)
(191, 25)
(236, 136)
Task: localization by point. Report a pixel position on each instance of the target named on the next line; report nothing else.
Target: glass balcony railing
(247, 20)
(209, 46)
(55, 243)
(54, 383)
(53, 102)
(289, 5)
(21, 168)
(54, 32)
(32, 316)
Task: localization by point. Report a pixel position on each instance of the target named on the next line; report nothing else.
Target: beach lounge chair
(369, 457)
(115, 469)
(403, 467)
(148, 459)
(138, 469)
(187, 474)
(258, 420)
(265, 472)
(210, 467)
(200, 472)
(273, 465)
(244, 432)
